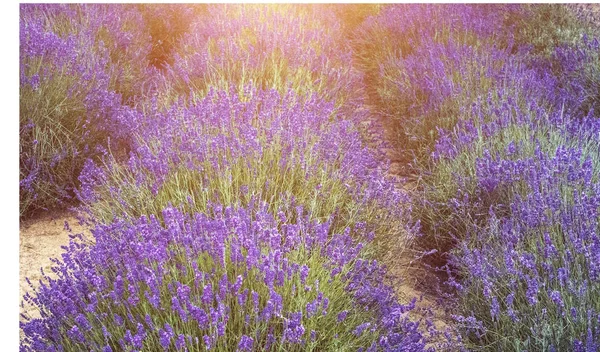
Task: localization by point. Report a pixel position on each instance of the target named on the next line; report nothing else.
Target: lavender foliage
(77, 68)
(227, 150)
(233, 277)
(504, 194)
(254, 107)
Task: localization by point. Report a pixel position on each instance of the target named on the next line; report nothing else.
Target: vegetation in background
(281, 47)
(500, 124)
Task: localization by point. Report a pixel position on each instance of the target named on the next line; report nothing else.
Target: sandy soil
(41, 238)
(415, 281)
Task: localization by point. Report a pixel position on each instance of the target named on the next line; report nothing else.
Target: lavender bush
(237, 279)
(525, 241)
(420, 72)
(576, 69)
(222, 149)
(504, 193)
(511, 121)
(534, 273)
(497, 107)
(543, 27)
(75, 74)
(168, 269)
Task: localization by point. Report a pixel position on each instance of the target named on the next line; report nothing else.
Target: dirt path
(41, 239)
(415, 279)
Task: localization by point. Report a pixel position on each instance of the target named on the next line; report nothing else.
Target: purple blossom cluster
(77, 64)
(502, 128)
(417, 22)
(512, 186)
(575, 70)
(540, 263)
(231, 278)
(426, 62)
(231, 145)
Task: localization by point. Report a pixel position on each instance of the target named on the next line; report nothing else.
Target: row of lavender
(497, 107)
(234, 204)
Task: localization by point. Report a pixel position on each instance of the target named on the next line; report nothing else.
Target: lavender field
(321, 177)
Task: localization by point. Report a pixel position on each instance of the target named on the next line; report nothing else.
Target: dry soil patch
(41, 239)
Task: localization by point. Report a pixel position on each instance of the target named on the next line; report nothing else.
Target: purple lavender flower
(166, 335)
(555, 296)
(359, 329)
(174, 266)
(245, 344)
(207, 342)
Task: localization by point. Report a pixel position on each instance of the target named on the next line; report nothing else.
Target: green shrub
(279, 148)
